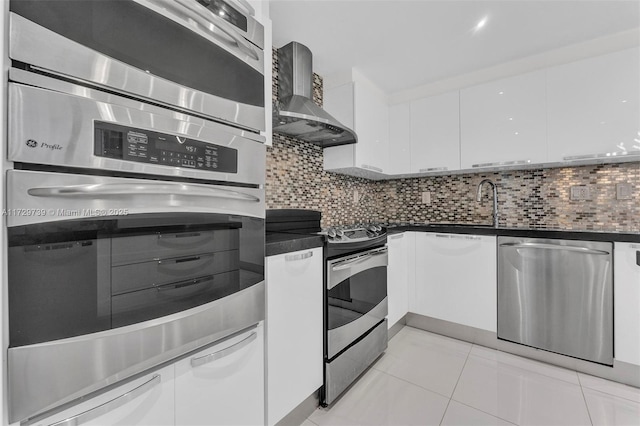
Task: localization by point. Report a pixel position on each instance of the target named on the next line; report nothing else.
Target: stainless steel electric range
(355, 304)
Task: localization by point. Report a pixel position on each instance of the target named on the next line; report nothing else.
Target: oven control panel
(146, 146)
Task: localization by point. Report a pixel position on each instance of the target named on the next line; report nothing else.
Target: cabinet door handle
(111, 405)
(459, 237)
(396, 237)
(205, 359)
(299, 256)
(369, 167)
(434, 169)
(501, 163)
(603, 155)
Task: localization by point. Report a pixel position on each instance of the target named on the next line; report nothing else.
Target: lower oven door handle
(184, 283)
(119, 189)
(112, 404)
(205, 359)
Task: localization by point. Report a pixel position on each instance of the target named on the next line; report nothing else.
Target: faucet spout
(495, 198)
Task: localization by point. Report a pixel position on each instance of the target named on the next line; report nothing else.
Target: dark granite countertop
(459, 228)
(285, 242)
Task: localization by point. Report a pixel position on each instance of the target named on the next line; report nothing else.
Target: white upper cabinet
(399, 158)
(594, 107)
(435, 133)
(504, 122)
(362, 106)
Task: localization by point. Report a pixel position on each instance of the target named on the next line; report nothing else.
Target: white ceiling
(404, 44)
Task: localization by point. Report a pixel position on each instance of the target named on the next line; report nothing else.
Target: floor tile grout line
(611, 395)
(482, 411)
(608, 393)
(456, 385)
(584, 398)
(411, 383)
(524, 369)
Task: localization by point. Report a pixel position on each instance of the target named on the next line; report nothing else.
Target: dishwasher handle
(547, 246)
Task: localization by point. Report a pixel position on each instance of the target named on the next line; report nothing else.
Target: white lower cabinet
(145, 401)
(223, 384)
(400, 275)
(294, 330)
(456, 278)
(626, 302)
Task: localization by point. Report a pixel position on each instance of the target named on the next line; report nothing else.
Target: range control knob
(331, 233)
(339, 233)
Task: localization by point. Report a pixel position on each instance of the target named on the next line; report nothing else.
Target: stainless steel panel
(62, 126)
(341, 337)
(88, 363)
(557, 295)
(38, 46)
(142, 248)
(343, 370)
(340, 269)
(60, 196)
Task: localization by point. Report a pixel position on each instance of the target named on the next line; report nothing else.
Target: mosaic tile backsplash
(534, 198)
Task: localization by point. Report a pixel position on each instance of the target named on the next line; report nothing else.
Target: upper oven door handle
(191, 10)
(122, 189)
(341, 270)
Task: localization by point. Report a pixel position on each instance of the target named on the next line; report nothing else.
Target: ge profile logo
(31, 143)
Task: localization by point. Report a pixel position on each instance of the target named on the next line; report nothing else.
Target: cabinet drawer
(139, 276)
(141, 248)
(138, 306)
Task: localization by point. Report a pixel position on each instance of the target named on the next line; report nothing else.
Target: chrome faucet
(495, 199)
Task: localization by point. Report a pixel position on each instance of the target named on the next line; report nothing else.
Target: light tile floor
(428, 379)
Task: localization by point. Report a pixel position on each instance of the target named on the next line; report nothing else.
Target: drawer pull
(112, 404)
(205, 359)
(184, 283)
(374, 168)
(396, 237)
(299, 256)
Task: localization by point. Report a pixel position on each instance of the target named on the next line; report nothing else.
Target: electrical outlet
(580, 192)
(624, 191)
(426, 198)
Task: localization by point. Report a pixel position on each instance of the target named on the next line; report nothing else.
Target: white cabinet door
(399, 139)
(363, 107)
(504, 121)
(372, 127)
(435, 133)
(294, 330)
(456, 278)
(145, 401)
(398, 277)
(594, 106)
(223, 384)
(626, 302)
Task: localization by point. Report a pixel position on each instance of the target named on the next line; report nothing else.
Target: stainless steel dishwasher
(557, 295)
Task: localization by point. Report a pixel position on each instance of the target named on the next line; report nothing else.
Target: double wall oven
(135, 201)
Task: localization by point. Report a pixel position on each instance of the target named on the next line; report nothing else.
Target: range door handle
(112, 404)
(205, 359)
(114, 190)
(544, 246)
(358, 260)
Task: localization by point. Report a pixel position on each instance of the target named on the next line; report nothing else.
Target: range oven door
(356, 297)
(177, 53)
(108, 277)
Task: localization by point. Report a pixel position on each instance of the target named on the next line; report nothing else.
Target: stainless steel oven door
(55, 123)
(172, 52)
(356, 296)
(108, 277)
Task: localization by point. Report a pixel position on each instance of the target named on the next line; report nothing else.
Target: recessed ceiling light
(500, 93)
(481, 23)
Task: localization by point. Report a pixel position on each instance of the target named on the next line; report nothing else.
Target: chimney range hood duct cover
(296, 114)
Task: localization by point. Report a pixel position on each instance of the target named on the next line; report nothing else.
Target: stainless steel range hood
(295, 114)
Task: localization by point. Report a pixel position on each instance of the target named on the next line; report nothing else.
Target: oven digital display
(145, 146)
